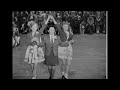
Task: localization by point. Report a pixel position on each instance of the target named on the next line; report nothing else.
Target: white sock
(63, 73)
(66, 75)
(33, 77)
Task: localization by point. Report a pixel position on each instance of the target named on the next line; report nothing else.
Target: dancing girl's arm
(70, 34)
(42, 44)
(43, 37)
(62, 44)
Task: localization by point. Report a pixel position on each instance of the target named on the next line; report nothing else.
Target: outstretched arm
(59, 29)
(61, 32)
(42, 43)
(46, 22)
(42, 28)
(44, 25)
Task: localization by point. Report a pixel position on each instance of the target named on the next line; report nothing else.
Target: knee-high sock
(34, 70)
(66, 71)
(52, 73)
(62, 68)
(49, 69)
(66, 68)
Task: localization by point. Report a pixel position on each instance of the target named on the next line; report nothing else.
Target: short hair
(51, 28)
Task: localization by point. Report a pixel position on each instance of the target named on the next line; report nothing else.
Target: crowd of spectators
(91, 20)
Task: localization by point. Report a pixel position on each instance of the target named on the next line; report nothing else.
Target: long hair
(68, 31)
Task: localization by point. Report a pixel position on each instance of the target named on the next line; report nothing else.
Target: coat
(49, 46)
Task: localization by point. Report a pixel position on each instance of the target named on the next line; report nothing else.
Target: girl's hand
(53, 19)
(71, 41)
(46, 22)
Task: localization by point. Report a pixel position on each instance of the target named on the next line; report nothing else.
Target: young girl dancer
(34, 54)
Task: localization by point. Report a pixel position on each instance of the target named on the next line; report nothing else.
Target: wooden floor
(89, 60)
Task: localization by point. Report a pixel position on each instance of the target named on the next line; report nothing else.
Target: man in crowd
(90, 21)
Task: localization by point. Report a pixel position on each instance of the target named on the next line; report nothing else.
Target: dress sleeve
(42, 28)
(43, 38)
(70, 36)
(62, 33)
(28, 39)
(62, 44)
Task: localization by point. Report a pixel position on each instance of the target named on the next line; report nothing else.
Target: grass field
(89, 59)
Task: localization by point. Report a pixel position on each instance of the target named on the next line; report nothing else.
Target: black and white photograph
(59, 44)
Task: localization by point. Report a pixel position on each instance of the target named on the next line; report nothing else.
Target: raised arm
(42, 28)
(44, 24)
(42, 43)
(59, 29)
(61, 32)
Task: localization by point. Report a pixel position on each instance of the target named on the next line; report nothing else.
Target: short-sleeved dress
(66, 52)
(34, 54)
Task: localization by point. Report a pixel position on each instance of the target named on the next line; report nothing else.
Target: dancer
(51, 43)
(65, 53)
(34, 54)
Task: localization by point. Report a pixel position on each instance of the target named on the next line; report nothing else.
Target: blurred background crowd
(91, 21)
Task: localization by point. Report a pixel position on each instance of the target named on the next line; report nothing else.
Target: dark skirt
(51, 60)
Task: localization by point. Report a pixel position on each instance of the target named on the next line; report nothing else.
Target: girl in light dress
(65, 53)
(16, 37)
(34, 54)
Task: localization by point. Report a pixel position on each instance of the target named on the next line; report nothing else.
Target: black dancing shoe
(63, 77)
(50, 77)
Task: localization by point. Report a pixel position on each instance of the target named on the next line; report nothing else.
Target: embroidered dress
(34, 54)
(65, 52)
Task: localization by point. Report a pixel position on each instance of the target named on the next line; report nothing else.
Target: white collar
(54, 36)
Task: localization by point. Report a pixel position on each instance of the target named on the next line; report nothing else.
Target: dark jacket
(49, 46)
